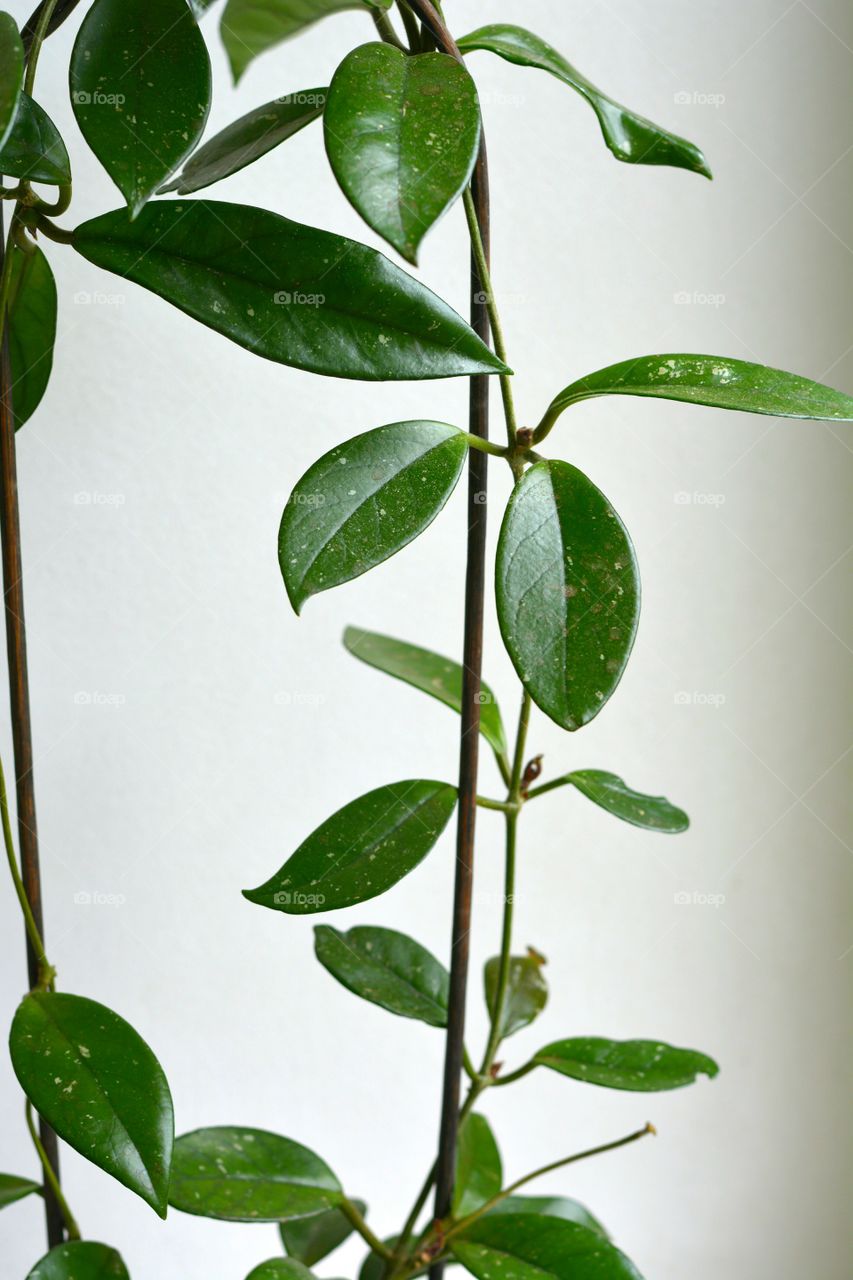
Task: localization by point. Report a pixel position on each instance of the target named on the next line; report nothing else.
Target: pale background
(190, 731)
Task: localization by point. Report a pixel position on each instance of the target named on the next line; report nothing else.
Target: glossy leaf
(31, 329)
(33, 149)
(479, 1172)
(362, 850)
(654, 813)
(365, 500)
(140, 88)
(551, 1207)
(288, 292)
(631, 137)
(11, 72)
(402, 135)
(525, 1246)
(251, 27)
(249, 138)
(97, 1083)
(280, 1269)
(717, 381)
(568, 592)
(642, 1066)
(440, 677)
(387, 968)
(526, 993)
(80, 1260)
(13, 1188)
(249, 1175)
(309, 1240)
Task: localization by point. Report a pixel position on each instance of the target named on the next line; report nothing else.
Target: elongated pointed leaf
(568, 592)
(479, 1172)
(80, 1260)
(140, 88)
(551, 1207)
(717, 381)
(251, 27)
(11, 72)
(97, 1083)
(631, 137)
(526, 993)
(280, 1269)
(362, 850)
(642, 1066)
(387, 968)
(310, 1240)
(525, 1246)
(31, 329)
(249, 1175)
(13, 1188)
(33, 149)
(402, 135)
(440, 677)
(654, 813)
(365, 500)
(287, 292)
(249, 138)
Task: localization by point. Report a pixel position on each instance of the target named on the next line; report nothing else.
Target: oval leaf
(11, 72)
(280, 1269)
(526, 993)
(287, 292)
(387, 968)
(551, 1207)
(440, 677)
(309, 1240)
(568, 592)
(402, 135)
(97, 1083)
(642, 1066)
(249, 1175)
(140, 87)
(250, 27)
(525, 1246)
(654, 813)
(33, 149)
(479, 1172)
(249, 138)
(32, 330)
(629, 136)
(365, 500)
(362, 850)
(80, 1260)
(13, 1188)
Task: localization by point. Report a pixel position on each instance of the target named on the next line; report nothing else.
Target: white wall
(240, 727)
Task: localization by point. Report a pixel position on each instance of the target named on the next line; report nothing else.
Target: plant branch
(45, 971)
(351, 1213)
(57, 11)
(564, 781)
(386, 31)
(51, 1179)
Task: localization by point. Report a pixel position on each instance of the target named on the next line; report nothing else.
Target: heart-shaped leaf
(11, 72)
(551, 1207)
(309, 1240)
(13, 1188)
(249, 1175)
(440, 677)
(402, 135)
(249, 138)
(479, 1172)
(287, 292)
(31, 327)
(250, 27)
(362, 850)
(526, 993)
(365, 500)
(387, 968)
(629, 136)
(717, 381)
(281, 1269)
(654, 813)
(642, 1066)
(525, 1246)
(80, 1260)
(568, 592)
(33, 150)
(140, 88)
(97, 1083)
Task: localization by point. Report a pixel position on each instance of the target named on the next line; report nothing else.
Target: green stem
(487, 446)
(351, 1213)
(386, 31)
(565, 781)
(502, 806)
(35, 48)
(45, 971)
(413, 30)
(51, 1178)
(518, 1074)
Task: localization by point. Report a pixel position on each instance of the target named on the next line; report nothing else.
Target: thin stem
(518, 1074)
(410, 22)
(386, 31)
(351, 1213)
(502, 806)
(33, 933)
(487, 446)
(51, 1178)
(40, 31)
(564, 781)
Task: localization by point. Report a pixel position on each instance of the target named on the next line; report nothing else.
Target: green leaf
(550, 1207)
(526, 993)
(288, 292)
(249, 138)
(717, 381)
(568, 592)
(629, 136)
(525, 1246)
(32, 330)
(479, 1172)
(365, 500)
(249, 1175)
(11, 72)
(402, 135)
(13, 1188)
(33, 149)
(80, 1260)
(362, 850)
(140, 88)
(642, 1066)
(655, 813)
(440, 677)
(97, 1083)
(251, 27)
(309, 1240)
(282, 1268)
(387, 968)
